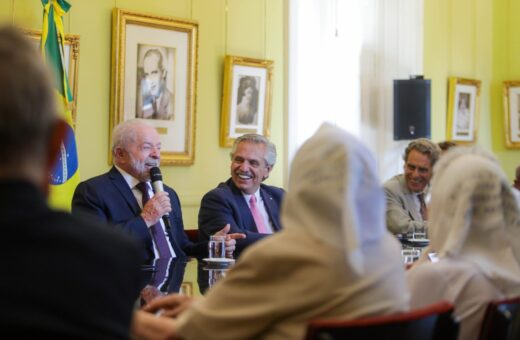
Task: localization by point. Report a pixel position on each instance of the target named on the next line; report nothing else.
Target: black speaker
(412, 108)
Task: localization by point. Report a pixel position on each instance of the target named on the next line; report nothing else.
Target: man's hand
(149, 293)
(156, 207)
(169, 305)
(230, 239)
(148, 326)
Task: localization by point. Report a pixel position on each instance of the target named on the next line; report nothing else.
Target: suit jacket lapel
(121, 185)
(271, 208)
(409, 200)
(243, 208)
(411, 206)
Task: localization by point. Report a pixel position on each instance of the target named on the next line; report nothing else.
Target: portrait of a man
(155, 99)
(247, 100)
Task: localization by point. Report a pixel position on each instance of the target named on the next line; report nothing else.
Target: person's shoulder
(88, 234)
(394, 180)
(395, 183)
(289, 244)
(222, 189)
(99, 180)
(270, 250)
(273, 191)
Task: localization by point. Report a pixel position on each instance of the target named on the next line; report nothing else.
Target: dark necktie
(157, 231)
(423, 210)
(160, 277)
(154, 106)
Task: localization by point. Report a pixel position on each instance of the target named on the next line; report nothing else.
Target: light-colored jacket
(402, 211)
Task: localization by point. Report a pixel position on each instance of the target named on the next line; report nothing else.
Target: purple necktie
(259, 220)
(157, 230)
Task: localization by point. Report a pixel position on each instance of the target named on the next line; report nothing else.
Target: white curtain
(342, 59)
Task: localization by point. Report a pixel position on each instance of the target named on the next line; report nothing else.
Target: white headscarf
(474, 215)
(334, 193)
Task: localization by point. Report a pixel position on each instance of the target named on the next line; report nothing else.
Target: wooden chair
(193, 234)
(434, 322)
(501, 320)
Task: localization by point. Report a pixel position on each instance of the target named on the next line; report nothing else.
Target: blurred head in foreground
(30, 131)
(475, 216)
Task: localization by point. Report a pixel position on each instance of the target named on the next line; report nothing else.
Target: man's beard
(140, 167)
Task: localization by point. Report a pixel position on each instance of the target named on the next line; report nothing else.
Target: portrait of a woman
(247, 101)
(463, 114)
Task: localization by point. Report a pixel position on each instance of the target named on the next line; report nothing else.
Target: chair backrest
(502, 320)
(434, 322)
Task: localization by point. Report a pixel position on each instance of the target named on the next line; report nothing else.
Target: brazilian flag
(65, 174)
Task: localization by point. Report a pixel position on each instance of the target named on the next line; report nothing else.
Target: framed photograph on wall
(71, 59)
(463, 108)
(154, 71)
(511, 93)
(246, 98)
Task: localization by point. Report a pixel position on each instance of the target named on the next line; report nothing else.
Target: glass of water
(215, 275)
(419, 233)
(217, 247)
(410, 255)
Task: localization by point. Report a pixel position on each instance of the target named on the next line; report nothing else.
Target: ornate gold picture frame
(511, 93)
(463, 110)
(154, 78)
(71, 59)
(246, 98)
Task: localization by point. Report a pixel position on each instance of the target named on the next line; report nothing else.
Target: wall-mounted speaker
(412, 108)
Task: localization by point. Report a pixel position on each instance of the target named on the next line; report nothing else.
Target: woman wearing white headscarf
(334, 257)
(475, 228)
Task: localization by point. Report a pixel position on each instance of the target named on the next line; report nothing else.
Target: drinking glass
(215, 275)
(410, 255)
(217, 247)
(419, 233)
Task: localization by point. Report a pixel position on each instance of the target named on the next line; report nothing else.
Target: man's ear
(57, 137)
(269, 168)
(118, 153)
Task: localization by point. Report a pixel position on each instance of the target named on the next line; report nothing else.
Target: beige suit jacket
(285, 280)
(402, 212)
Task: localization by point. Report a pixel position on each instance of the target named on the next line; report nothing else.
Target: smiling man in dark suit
(243, 202)
(116, 197)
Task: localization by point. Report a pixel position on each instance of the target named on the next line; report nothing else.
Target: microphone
(157, 186)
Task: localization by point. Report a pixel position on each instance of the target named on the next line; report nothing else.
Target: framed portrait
(71, 60)
(511, 93)
(246, 98)
(463, 108)
(154, 71)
